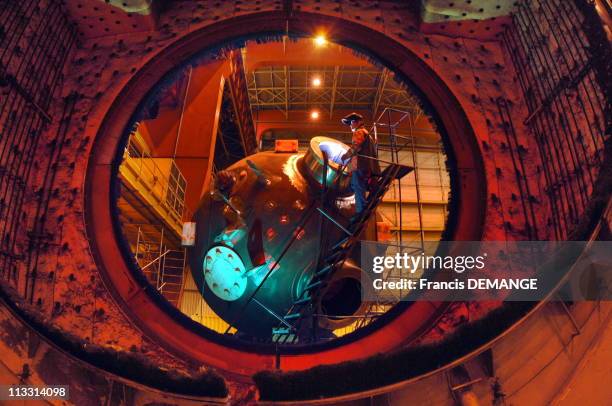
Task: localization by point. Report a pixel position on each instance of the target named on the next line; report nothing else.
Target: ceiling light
(320, 40)
(316, 82)
(314, 114)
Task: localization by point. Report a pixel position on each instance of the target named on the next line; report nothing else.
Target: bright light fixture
(316, 82)
(320, 40)
(314, 114)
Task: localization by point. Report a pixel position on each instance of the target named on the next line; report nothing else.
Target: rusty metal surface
(556, 73)
(141, 305)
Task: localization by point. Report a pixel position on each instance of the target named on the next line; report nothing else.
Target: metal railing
(162, 264)
(386, 124)
(166, 187)
(147, 254)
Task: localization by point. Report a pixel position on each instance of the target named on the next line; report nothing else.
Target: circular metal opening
(228, 246)
(116, 258)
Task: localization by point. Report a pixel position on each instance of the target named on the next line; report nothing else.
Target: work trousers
(359, 186)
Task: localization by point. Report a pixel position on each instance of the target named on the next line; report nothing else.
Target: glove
(346, 156)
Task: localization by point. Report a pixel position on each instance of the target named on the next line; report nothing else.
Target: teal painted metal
(275, 190)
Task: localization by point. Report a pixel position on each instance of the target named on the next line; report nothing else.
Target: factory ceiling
(330, 79)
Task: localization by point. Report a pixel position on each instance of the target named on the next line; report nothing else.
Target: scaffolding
(398, 148)
(158, 181)
(154, 194)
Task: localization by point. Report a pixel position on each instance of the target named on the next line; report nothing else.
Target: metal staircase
(172, 271)
(338, 238)
(332, 259)
(147, 250)
(162, 264)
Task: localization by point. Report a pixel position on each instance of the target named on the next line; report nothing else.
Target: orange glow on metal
(320, 40)
(286, 145)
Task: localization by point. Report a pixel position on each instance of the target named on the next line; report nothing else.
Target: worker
(363, 163)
